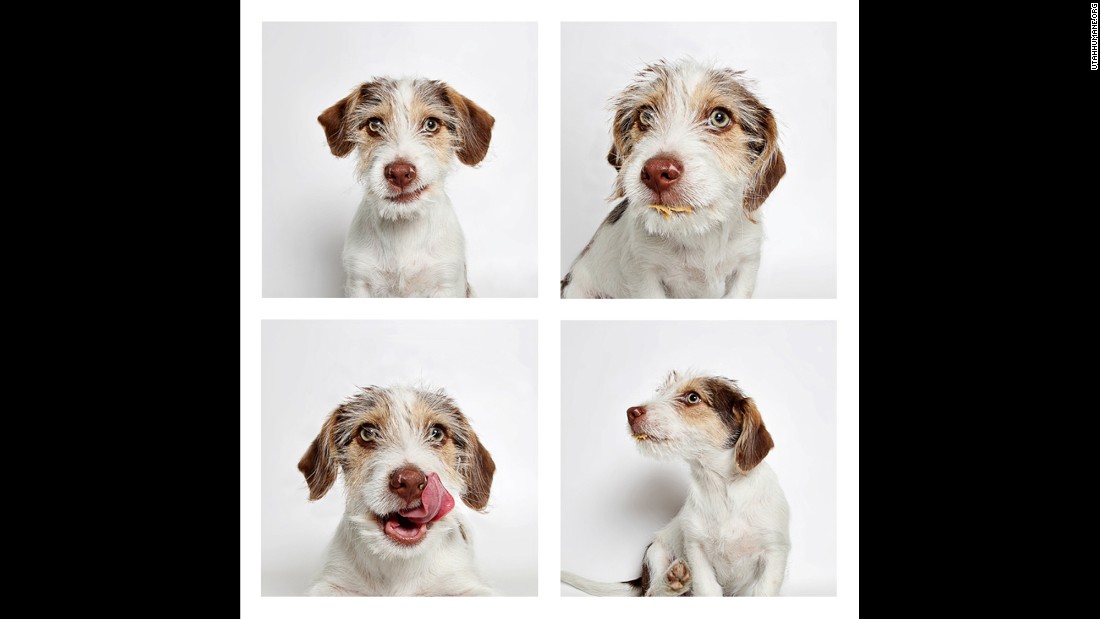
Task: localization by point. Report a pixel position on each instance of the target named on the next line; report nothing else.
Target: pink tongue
(435, 502)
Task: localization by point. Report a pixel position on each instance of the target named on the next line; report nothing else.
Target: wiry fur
(412, 248)
(731, 536)
(361, 559)
(713, 251)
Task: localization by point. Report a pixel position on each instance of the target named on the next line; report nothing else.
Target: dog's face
(694, 416)
(403, 453)
(693, 148)
(407, 133)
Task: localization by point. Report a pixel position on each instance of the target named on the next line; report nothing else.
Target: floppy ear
(336, 122)
(477, 472)
(755, 441)
(474, 127)
(769, 166)
(620, 146)
(319, 463)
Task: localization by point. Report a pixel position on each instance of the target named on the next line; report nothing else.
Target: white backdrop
(614, 498)
(309, 196)
(308, 367)
(794, 66)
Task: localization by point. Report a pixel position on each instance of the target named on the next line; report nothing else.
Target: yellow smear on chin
(641, 437)
(667, 211)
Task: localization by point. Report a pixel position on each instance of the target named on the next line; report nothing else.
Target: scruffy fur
(361, 559)
(731, 536)
(706, 244)
(405, 241)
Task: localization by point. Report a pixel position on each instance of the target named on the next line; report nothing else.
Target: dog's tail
(631, 588)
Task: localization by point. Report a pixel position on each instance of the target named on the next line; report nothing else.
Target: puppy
(697, 154)
(405, 453)
(405, 240)
(731, 536)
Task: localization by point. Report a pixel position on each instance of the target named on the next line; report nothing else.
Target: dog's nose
(660, 173)
(401, 173)
(634, 413)
(408, 482)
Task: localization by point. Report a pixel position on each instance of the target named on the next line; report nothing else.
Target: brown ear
(478, 473)
(613, 158)
(620, 146)
(475, 127)
(319, 463)
(755, 441)
(335, 119)
(769, 166)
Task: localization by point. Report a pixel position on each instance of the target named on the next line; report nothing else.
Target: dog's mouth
(408, 196)
(409, 527)
(668, 211)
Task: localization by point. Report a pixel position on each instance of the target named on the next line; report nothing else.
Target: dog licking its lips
(405, 454)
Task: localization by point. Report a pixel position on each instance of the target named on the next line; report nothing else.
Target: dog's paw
(679, 577)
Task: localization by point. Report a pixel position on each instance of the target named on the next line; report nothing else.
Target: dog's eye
(646, 118)
(374, 124)
(693, 398)
(719, 118)
(431, 125)
(369, 433)
(436, 434)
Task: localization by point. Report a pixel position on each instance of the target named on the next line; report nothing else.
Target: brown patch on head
(473, 125)
(747, 435)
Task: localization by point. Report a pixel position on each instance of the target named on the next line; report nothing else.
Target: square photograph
(698, 160)
(400, 159)
(398, 458)
(698, 458)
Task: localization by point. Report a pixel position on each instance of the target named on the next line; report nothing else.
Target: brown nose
(634, 413)
(661, 173)
(408, 482)
(400, 173)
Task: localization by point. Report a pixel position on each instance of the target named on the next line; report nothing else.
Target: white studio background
(310, 196)
(614, 498)
(309, 367)
(793, 66)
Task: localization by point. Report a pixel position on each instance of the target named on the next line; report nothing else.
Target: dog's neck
(713, 474)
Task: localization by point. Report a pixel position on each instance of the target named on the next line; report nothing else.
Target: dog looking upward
(731, 536)
(697, 154)
(402, 452)
(405, 240)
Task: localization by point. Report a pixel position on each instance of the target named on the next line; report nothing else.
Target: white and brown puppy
(731, 535)
(697, 154)
(405, 240)
(403, 452)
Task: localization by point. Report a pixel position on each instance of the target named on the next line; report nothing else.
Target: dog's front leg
(705, 583)
(770, 581)
(744, 280)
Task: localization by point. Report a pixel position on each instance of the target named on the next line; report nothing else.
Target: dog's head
(403, 453)
(407, 132)
(693, 148)
(694, 416)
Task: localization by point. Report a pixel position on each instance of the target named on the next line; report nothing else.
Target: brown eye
(436, 433)
(369, 433)
(374, 125)
(719, 118)
(645, 119)
(431, 125)
(693, 398)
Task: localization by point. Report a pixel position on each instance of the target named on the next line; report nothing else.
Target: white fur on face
(403, 106)
(676, 428)
(716, 165)
(404, 417)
